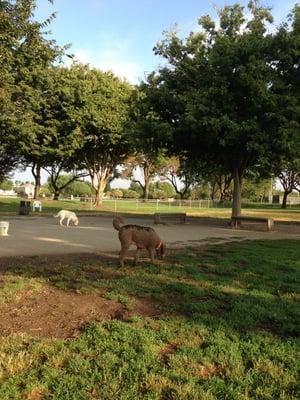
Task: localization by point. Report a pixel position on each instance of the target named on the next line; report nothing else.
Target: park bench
(158, 217)
(269, 221)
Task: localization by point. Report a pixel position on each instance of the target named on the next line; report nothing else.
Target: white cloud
(82, 56)
(113, 54)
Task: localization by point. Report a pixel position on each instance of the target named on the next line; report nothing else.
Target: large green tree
(100, 112)
(142, 167)
(13, 25)
(289, 178)
(286, 85)
(215, 93)
(67, 186)
(63, 138)
(25, 53)
(182, 174)
(148, 159)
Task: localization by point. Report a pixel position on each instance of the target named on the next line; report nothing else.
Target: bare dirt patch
(52, 312)
(62, 314)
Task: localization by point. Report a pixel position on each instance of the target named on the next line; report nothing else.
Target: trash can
(24, 207)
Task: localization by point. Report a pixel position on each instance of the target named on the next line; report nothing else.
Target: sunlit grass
(12, 287)
(138, 207)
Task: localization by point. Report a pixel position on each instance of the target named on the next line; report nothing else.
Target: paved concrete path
(37, 235)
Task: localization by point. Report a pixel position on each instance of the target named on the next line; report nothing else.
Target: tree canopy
(100, 111)
(216, 93)
(25, 54)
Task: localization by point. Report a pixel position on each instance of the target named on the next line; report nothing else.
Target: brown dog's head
(161, 249)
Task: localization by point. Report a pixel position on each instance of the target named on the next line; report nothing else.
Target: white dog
(70, 215)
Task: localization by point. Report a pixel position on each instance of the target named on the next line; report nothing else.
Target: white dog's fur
(70, 215)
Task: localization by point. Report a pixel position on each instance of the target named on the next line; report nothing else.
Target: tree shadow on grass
(251, 285)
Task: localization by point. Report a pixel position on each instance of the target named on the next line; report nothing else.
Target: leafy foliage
(25, 55)
(99, 107)
(6, 184)
(69, 185)
(216, 93)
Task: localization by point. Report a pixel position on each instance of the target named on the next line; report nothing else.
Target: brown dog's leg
(123, 253)
(136, 257)
(151, 255)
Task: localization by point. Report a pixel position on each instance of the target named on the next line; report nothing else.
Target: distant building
(5, 193)
(26, 190)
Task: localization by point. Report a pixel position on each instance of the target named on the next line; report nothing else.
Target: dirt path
(36, 235)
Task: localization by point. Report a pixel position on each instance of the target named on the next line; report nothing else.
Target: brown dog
(142, 236)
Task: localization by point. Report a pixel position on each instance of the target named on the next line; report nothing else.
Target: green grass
(12, 286)
(11, 206)
(229, 329)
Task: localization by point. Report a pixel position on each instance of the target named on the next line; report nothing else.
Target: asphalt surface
(37, 235)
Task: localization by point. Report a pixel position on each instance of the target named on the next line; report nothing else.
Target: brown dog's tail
(117, 222)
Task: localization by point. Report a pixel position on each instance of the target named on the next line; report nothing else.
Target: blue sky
(119, 35)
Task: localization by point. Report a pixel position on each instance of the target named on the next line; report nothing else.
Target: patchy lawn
(209, 322)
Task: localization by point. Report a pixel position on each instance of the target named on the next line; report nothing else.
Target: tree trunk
(98, 198)
(223, 196)
(181, 193)
(147, 182)
(237, 194)
(56, 194)
(284, 200)
(36, 172)
(213, 191)
(99, 192)
(224, 182)
(146, 191)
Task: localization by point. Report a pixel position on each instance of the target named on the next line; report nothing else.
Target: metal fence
(169, 204)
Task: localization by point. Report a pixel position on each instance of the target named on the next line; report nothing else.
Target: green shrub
(130, 194)
(116, 193)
